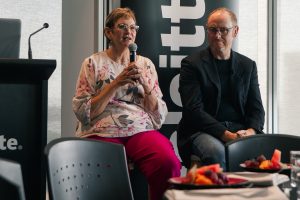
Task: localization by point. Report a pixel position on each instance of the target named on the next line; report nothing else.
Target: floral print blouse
(125, 114)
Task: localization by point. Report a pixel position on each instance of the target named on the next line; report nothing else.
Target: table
(265, 186)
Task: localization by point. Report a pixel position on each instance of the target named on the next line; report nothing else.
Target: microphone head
(46, 25)
(132, 47)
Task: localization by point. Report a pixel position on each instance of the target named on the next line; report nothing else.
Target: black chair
(84, 169)
(11, 180)
(10, 36)
(237, 151)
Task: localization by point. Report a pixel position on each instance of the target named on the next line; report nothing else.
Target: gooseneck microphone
(46, 25)
(132, 48)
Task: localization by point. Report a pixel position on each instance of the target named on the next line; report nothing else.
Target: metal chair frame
(85, 169)
(237, 151)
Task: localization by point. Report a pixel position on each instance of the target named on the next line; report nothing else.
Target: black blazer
(200, 92)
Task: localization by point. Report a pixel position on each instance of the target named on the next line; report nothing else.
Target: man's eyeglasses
(223, 30)
(126, 27)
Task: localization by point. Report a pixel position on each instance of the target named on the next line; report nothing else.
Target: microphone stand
(46, 25)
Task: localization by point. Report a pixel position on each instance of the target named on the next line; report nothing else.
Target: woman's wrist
(148, 92)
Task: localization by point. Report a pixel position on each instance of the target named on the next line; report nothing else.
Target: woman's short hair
(118, 13)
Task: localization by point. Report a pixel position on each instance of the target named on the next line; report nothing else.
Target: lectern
(23, 118)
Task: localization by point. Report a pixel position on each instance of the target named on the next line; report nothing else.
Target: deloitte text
(9, 144)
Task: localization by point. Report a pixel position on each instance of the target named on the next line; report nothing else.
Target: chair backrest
(242, 149)
(84, 169)
(10, 35)
(11, 180)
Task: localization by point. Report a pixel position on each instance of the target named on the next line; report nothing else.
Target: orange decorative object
(206, 175)
(202, 180)
(276, 158)
(274, 163)
(266, 164)
(214, 168)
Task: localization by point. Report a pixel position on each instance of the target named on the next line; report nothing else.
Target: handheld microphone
(132, 48)
(46, 25)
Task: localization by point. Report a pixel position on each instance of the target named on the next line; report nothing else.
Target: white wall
(45, 45)
(79, 40)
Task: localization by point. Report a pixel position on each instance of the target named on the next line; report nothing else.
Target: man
(220, 94)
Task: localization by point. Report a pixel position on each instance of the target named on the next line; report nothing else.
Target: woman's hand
(130, 74)
(143, 80)
(140, 76)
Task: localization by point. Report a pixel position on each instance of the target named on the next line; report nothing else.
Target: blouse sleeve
(158, 116)
(85, 89)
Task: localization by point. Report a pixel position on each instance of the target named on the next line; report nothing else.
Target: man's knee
(208, 150)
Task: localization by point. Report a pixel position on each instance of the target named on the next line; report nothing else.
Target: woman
(120, 101)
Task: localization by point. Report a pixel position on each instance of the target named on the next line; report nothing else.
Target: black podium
(23, 118)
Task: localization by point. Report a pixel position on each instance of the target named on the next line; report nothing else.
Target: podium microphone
(46, 25)
(132, 48)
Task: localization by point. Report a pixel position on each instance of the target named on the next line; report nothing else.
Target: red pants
(154, 155)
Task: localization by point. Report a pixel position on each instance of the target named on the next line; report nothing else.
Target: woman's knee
(167, 161)
(171, 163)
(158, 156)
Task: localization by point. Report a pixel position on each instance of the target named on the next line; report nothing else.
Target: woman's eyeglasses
(126, 27)
(222, 30)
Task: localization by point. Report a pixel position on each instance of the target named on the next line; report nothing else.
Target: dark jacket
(200, 91)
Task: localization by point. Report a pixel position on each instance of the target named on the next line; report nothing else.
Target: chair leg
(139, 184)
(149, 196)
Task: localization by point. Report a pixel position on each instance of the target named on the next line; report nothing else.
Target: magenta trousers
(154, 155)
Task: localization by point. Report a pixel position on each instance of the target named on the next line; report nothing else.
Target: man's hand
(245, 133)
(228, 136)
